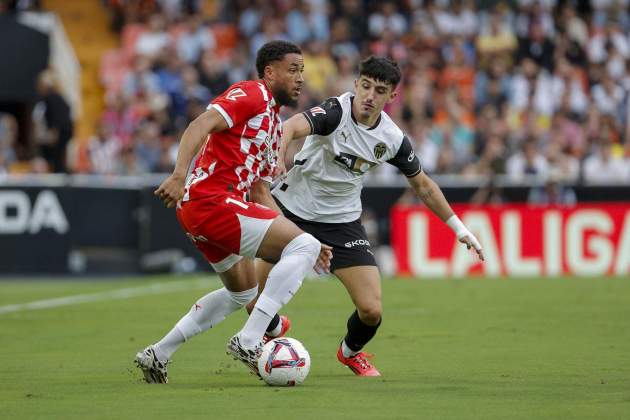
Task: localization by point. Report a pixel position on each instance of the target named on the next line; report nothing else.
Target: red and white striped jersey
(232, 160)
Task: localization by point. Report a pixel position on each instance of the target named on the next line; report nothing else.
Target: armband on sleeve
(324, 118)
(406, 159)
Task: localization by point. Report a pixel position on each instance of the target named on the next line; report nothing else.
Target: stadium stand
(488, 89)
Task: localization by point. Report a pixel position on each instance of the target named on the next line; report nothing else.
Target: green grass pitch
(475, 349)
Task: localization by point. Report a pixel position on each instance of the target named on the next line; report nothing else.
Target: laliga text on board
(518, 240)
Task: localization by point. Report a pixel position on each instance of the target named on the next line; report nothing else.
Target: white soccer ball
(284, 362)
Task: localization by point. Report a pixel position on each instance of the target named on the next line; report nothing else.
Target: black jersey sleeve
(406, 159)
(324, 118)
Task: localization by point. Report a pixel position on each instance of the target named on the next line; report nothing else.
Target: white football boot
(153, 369)
(248, 356)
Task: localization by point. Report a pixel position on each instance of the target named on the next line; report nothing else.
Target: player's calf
(358, 335)
(297, 259)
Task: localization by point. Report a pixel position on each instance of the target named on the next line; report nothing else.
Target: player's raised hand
(171, 190)
(322, 265)
(471, 242)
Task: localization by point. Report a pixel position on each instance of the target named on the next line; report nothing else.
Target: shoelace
(361, 358)
(253, 354)
(157, 362)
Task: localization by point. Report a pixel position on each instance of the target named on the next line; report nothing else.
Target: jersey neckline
(273, 100)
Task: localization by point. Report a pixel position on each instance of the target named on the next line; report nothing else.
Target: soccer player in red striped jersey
(236, 141)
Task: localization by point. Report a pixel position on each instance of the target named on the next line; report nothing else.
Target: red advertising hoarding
(518, 240)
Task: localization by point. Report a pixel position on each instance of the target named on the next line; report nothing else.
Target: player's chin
(366, 114)
(292, 101)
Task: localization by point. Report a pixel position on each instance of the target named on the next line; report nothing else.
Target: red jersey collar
(273, 100)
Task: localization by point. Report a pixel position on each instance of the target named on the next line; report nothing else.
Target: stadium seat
(114, 65)
(129, 38)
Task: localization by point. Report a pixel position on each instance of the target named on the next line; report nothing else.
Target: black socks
(358, 332)
(274, 323)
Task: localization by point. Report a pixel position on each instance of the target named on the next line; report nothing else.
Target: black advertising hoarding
(35, 230)
(55, 228)
(163, 243)
(90, 225)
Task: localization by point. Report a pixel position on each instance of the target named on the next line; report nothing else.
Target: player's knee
(304, 244)
(313, 246)
(244, 297)
(370, 313)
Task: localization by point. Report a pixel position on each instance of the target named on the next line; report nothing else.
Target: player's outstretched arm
(431, 194)
(295, 127)
(172, 189)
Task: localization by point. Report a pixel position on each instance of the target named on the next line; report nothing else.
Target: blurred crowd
(532, 88)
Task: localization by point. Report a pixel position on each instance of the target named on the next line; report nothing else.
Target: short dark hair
(274, 51)
(381, 69)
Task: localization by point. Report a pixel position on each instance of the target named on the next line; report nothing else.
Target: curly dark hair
(274, 51)
(381, 69)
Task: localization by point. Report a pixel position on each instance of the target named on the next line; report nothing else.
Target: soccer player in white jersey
(348, 136)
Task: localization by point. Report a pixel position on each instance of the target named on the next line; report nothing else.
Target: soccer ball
(284, 362)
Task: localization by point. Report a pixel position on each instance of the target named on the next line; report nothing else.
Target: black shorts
(349, 241)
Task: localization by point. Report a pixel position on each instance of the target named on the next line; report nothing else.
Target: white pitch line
(126, 293)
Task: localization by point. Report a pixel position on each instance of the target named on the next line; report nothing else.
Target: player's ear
(270, 73)
(393, 94)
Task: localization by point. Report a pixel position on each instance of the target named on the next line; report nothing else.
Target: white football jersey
(325, 182)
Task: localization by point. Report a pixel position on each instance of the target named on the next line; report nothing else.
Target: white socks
(347, 351)
(204, 314)
(297, 259)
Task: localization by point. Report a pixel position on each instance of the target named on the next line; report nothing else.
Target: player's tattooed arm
(172, 189)
(432, 196)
